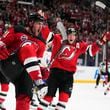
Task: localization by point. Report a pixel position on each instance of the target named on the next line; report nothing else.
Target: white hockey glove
(40, 88)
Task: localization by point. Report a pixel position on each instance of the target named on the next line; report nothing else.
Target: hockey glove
(40, 88)
(105, 37)
(4, 54)
(45, 73)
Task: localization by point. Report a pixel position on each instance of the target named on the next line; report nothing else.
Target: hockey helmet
(36, 17)
(71, 31)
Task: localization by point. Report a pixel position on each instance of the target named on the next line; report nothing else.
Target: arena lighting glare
(103, 3)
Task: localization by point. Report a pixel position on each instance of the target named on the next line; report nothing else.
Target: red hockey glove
(45, 73)
(3, 52)
(107, 34)
(105, 37)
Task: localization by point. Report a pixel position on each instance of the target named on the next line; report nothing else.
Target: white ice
(84, 97)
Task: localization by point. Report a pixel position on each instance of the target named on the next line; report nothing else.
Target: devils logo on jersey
(67, 52)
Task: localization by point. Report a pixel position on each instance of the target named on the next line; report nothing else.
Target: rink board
(87, 74)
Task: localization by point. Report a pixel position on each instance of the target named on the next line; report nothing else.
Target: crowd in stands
(89, 20)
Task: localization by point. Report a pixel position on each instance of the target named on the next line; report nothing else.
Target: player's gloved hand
(4, 54)
(41, 88)
(45, 73)
(105, 37)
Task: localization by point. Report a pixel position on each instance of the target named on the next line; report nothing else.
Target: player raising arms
(63, 66)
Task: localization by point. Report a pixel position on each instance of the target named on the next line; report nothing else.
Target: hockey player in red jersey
(4, 82)
(3, 91)
(63, 67)
(24, 51)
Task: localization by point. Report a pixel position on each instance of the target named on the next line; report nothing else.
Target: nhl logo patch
(24, 37)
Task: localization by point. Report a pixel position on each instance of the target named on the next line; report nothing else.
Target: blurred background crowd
(89, 20)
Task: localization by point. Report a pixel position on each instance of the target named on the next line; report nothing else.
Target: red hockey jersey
(15, 41)
(65, 56)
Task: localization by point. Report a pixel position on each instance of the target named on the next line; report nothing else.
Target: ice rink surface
(84, 97)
